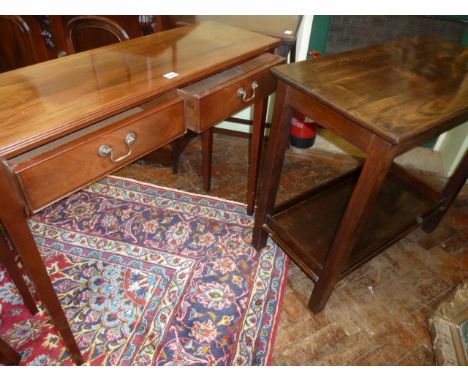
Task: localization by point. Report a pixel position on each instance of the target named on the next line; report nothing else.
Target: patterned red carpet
(150, 276)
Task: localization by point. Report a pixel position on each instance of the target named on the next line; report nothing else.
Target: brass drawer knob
(243, 94)
(106, 150)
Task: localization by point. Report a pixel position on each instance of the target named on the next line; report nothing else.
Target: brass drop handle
(106, 150)
(242, 93)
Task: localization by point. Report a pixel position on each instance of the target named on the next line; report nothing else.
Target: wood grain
(45, 101)
(58, 171)
(271, 25)
(385, 99)
(397, 90)
(214, 99)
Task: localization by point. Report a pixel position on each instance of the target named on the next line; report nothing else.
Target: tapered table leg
(13, 217)
(450, 192)
(207, 154)
(256, 143)
(8, 355)
(370, 181)
(7, 258)
(271, 170)
(175, 154)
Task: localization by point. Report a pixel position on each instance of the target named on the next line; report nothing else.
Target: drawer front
(67, 168)
(202, 113)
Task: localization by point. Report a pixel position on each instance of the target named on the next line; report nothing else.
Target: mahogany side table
(385, 99)
(68, 122)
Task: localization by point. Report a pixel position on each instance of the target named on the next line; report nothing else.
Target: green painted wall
(319, 34)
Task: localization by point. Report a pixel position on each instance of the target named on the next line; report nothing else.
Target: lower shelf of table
(305, 231)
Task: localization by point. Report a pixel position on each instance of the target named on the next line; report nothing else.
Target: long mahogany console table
(69, 121)
(385, 99)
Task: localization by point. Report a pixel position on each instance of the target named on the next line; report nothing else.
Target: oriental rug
(150, 276)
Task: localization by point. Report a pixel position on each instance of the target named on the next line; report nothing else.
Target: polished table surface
(60, 101)
(45, 101)
(284, 27)
(398, 90)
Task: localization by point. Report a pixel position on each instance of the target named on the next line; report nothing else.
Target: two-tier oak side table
(385, 99)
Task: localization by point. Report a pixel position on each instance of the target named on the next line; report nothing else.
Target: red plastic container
(303, 131)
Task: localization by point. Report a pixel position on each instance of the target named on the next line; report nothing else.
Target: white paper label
(170, 75)
(287, 32)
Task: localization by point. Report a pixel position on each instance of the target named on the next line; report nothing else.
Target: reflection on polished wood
(284, 27)
(58, 97)
(281, 26)
(57, 116)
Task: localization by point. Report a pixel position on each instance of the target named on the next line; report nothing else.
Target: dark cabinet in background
(23, 41)
(26, 40)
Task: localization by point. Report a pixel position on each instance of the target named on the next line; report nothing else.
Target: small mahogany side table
(385, 99)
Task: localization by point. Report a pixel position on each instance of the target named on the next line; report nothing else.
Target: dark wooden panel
(16, 43)
(26, 40)
(310, 226)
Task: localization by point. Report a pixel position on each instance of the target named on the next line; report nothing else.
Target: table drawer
(60, 167)
(214, 99)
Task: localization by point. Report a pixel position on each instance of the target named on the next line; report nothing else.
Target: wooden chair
(89, 32)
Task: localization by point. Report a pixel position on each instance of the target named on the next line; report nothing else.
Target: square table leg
(175, 154)
(271, 171)
(374, 172)
(7, 258)
(13, 218)
(260, 109)
(207, 155)
(8, 355)
(450, 192)
(256, 143)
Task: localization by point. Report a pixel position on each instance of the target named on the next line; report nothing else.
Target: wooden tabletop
(45, 101)
(399, 90)
(280, 26)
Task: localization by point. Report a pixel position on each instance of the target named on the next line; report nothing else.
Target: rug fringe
(178, 190)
